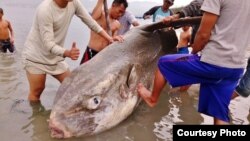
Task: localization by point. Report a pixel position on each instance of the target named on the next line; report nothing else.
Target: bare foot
(145, 94)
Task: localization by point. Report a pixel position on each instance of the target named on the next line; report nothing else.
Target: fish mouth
(57, 130)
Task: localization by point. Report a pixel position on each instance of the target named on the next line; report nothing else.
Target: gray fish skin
(101, 93)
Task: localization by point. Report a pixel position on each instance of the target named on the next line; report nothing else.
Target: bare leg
(61, 77)
(152, 98)
(219, 122)
(184, 88)
(234, 95)
(37, 85)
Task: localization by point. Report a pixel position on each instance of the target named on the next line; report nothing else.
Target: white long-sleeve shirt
(45, 41)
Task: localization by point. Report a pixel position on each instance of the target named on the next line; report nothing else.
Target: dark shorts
(216, 83)
(183, 50)
(5, 44)
(88, 54)
(243, 88)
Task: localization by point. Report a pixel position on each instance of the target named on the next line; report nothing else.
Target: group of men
(221, 42)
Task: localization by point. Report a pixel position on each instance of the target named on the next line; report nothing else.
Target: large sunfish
(101, 93)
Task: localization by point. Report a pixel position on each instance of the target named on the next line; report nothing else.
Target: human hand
(12, 40)
(74, 52)
(118, 38)
(169, 19)
(146, 17)
(111, 40)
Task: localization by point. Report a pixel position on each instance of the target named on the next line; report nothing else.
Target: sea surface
(21, 121)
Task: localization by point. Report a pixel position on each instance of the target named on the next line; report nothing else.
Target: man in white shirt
(126, 21)
(44, 52)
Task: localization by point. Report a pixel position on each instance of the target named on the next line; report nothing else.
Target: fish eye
(94, 102)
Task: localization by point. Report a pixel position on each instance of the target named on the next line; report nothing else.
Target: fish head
(93, 105)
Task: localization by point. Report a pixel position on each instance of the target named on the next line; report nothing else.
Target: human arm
(191, 10)
(204, 32)
(82, 13)
(115, 35)
(109, 38)
(11, 32)
(45, 32)
(135, 23)
(132, 20)
(51, 42)
(106, 36)
(150, 12)
(98, 10)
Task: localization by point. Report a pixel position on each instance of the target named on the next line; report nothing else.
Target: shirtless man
(96, 42)
(185, 37)
(6, 34)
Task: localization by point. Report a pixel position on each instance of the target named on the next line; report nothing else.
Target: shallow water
(22, 121)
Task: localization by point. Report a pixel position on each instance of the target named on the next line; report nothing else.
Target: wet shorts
(88, 54)
(183, 50)
(216, 83)
(38, 68)
(6, 44)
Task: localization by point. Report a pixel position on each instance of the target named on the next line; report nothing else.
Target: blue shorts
(216, 83)
(243, 88)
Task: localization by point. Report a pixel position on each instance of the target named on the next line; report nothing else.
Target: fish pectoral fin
(124, 91)
(133, 77)
(130, 85)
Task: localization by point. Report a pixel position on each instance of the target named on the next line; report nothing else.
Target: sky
(177, 3)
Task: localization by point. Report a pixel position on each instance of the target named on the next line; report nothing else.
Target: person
(243, 88)
(126, 21)
(159, 12)
(6, 34)
(182, 47)
(185, 37)
(96, 42)
(191, 10)
(44, 52)
(220, 65)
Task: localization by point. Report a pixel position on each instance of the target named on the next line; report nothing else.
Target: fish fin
(129, 87)
(124, 91)
(133, 77)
